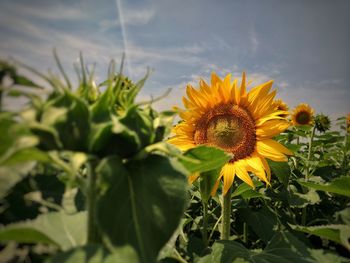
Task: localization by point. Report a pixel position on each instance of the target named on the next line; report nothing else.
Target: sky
(302, 44)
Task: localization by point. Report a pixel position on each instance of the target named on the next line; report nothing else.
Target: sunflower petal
(271, 128)
(258, 169)
(242, 173)
(273, 150)
(228, 172)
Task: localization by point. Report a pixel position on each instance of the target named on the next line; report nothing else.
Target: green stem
(205, 223)
(307, 172)
(92, 237)
(245, 233)
(309, 153)
(345, 158)
(226, 215)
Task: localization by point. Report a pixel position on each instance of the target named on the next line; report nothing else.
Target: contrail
(125, 43)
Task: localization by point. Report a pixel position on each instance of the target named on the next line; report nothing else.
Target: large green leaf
(336, 233)
(96, 254)
(339, 186)
(58, 228)
(142, 204)
(205, 159)
(283, 248)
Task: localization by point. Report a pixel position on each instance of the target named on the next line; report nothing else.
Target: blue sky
(302, 45)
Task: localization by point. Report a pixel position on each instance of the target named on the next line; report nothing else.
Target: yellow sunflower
(242, 123)
(348, 121)
(302, 115)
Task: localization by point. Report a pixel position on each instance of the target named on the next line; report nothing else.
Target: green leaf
(283, 248)
(300, 200)
(205, 159)
(148, 198)
(281, 170)
(58, 228)
(339, 186)
(245, 188)
(262, 222)
(96, 254)
(337, 233)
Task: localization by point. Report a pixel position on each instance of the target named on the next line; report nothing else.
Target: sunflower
(348, 121)
(302, 115)
(241, 123)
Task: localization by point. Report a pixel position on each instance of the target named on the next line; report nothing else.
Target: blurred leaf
(136, 126)
(339, 185)
(70, 117)
(148, 199)
(337, 233)
(281, 170)
(100, 136)
(11, 175)
(96, 254)
(24, 81)
(60, 229)
(205, 159)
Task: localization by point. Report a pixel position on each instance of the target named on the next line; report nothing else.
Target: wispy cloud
(54, 11)
(131, 17)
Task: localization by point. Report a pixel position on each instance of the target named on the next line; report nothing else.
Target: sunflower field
(89, 173)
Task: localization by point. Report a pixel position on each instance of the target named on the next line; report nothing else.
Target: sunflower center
(303, 117)
(224, 131)
(228, 127)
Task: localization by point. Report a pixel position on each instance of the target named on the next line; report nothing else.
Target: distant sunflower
(242, 123)
(348, 121)
(302, 115)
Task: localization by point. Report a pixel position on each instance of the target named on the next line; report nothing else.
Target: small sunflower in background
(242, 123)
(348, 121)
(302, 114)
(322, 122)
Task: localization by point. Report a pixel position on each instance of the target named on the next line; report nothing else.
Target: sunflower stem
(92, 234)
(205, 223)
(226, 215)
(309, 153)
(307, 172)
(245, 233)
